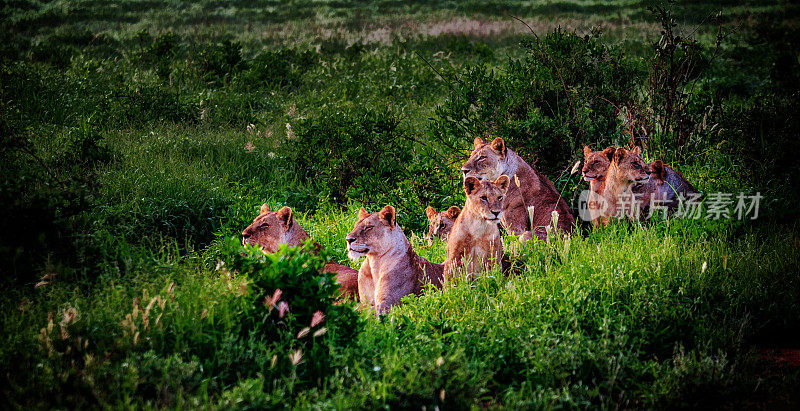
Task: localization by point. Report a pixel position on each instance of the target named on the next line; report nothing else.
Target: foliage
(561, 95)
(139, 138)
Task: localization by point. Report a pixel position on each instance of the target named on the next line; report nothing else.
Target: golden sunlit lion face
(596, 163)
(631, 165)
(371, 233)
(270, 229)
(486, 161)
(486, 197)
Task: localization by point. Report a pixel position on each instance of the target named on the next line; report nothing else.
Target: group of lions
(501, 189)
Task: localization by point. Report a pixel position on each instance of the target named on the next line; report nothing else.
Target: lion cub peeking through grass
(440, 224)
(475, 242)
(270, 229)
(391, 269)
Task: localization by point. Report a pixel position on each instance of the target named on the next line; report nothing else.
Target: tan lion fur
(475, 242)
(391, 269)
(528, 188)
(440, 223)
(627, 169)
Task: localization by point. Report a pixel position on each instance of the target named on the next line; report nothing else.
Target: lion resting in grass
(664, 187)
(440, 223)
(528, 188)
(270, 229)
(475, 242)
(391, 269)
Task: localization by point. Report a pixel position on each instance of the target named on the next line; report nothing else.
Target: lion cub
(440, 224)
(626, 170)
(270, 229)
(392, 269)
(475, 241)
(595, 168)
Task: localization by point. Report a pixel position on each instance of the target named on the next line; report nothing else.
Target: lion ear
(587, 151)
(609, 152)
(453, 212)
(387, 215)
(285, 216)
(478, 142)
(636, 150)
(264, 208)
(430, 212)
(659, 170)
(619, 154)
(499, 146)
(362, 214)
(503, 181)
(471, 184)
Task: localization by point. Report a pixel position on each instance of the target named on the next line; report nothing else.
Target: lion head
(273, 228)
(487, 161)
(659, 170)
(631, 168)
(485, 198)
(375, 234)
(596, 163)
(440, 224)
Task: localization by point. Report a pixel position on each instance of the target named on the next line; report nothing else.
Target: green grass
(139, 138)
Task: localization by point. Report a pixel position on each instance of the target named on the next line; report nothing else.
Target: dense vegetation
(139, 138)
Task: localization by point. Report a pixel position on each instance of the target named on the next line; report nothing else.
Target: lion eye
(500, 198)
(483, 198)
(264, 225)
(636, 165)
(481, 158)
(367, 228)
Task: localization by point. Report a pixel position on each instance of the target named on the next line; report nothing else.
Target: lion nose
(245, 235)
(465, 171)
(350, 240)
(496, 213)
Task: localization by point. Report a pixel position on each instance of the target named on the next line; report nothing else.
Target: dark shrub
(363, 155)
(279, 68)
(565, 93)
(218, 62)
(307, 292)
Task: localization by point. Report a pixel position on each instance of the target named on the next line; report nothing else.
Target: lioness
(663, 189)
(475, 239)
(595, 167)
(627, 169)
(392, 269)
(528, 188)
(440, 224)
(270, 229)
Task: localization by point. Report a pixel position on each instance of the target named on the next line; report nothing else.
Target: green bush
(563, 94)
(278, 68)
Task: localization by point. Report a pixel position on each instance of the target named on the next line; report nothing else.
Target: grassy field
(140, 137)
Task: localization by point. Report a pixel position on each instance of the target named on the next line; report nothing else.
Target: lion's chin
(355, 255)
